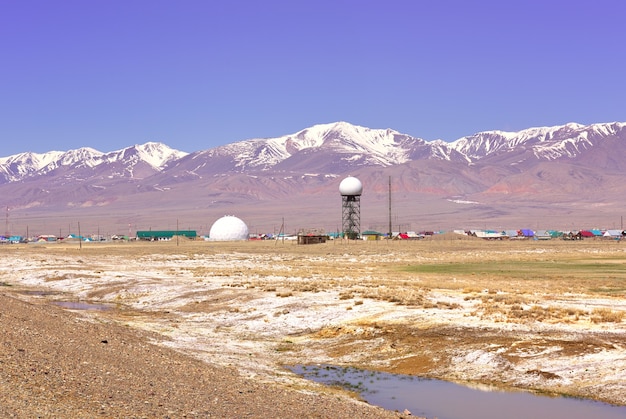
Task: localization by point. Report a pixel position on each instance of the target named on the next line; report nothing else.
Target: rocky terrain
(547, 316)
(54, 363)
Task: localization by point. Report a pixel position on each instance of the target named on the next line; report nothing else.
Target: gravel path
(59, 364)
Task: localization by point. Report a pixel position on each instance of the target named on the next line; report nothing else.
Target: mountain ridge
(384, 147)
(535, 173)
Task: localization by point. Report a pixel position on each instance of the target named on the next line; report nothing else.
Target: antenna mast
(390, 228)
(6, 224)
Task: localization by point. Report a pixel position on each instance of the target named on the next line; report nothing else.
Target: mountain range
(566, 177)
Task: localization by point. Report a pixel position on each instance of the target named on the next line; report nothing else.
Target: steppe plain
(545, 316)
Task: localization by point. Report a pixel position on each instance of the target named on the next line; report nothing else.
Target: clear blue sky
(196, 74)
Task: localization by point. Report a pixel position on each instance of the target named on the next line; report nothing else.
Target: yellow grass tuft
(606, 315)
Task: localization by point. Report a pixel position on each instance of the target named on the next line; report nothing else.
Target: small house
(613, 234)
(587, 234)
(371, 235)
(528, 233)
(542, 235)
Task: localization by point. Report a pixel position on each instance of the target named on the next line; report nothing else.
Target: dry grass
(517, 281)
(458, 295)
(605, 315)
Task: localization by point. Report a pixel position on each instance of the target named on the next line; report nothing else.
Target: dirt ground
(546, 316)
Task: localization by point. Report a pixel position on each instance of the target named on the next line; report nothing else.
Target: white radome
(350, 186)
(228, 228)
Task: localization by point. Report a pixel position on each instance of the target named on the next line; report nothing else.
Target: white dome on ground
(228, 228)
(350, 186)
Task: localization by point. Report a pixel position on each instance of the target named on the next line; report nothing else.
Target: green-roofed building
(156, 235)
(371, 235)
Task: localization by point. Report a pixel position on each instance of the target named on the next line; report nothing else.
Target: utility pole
(390, 227)
(7, 233)
(281, 231)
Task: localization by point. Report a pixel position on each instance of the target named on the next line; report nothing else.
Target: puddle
(76, 305)
(38, 293)
(445, 400)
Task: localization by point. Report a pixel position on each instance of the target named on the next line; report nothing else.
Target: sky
(196, 74)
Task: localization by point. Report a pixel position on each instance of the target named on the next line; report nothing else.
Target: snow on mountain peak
(82, 156)
(19, 166)
(385, 146)
(337, 145)
(546, 142)
(34, 161)
(157, 154)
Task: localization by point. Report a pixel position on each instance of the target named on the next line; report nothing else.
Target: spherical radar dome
(228, 228)
(350, 186)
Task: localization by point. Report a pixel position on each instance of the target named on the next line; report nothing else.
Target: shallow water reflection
(77, 305)
(39, 293)
(445, 400)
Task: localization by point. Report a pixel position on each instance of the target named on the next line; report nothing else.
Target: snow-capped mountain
(546, 143)
(582, 166)
(136, 161)
(18, 166)
(335, 148)
(325, 148)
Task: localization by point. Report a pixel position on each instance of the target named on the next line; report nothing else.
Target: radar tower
(351, 189)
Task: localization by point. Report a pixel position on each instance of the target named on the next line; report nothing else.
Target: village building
(163, 235)
(371, 235)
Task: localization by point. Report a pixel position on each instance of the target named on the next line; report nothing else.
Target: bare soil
(542, 316)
